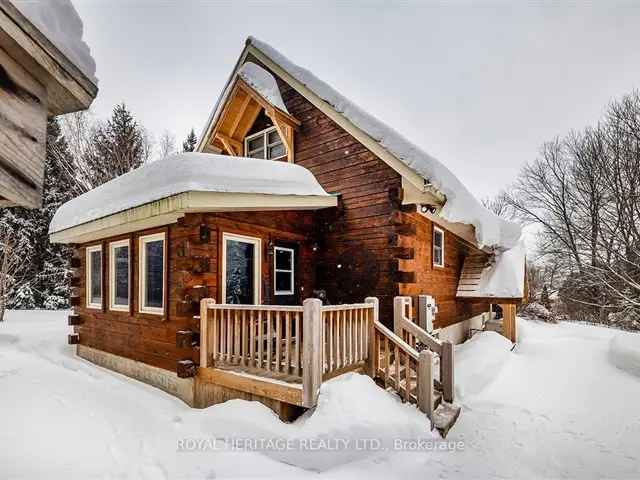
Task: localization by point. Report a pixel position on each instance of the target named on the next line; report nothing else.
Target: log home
(244, 266)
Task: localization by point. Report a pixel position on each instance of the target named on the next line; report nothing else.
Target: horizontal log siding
(360, 233)
(440, 282)
(152, 338)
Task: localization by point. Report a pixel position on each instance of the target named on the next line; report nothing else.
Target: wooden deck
(284, 353)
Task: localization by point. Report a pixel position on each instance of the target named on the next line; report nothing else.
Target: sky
(478, 85)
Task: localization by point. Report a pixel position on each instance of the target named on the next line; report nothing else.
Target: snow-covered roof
(59, 21)
(264, 83)
(187, 172)
(461, 205)
(502, 278)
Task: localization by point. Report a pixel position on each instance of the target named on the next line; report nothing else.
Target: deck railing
(405, 328)
(311, 343)
(256, 337)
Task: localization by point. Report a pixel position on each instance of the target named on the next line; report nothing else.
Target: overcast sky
(479, 85)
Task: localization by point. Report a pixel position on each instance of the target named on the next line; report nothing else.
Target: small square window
(265, 144)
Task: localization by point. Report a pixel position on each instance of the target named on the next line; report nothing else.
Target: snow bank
(264, 83)
(624, 352)
(478, 362)
(461, 205)
(186, 172)
(59, 21)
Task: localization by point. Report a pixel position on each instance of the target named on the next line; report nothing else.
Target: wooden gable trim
(284, 123)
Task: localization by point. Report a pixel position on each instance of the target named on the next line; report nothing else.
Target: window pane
(276, 151)
(121, 273)
(437, 238)
(283, 282)
(96, 277)
(256, 143)
(154, 273)
(283, 259)
(437, 256)
(240, 275)
(256, 154)
(273, 137)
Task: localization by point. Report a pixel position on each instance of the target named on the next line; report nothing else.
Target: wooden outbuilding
(37, 81)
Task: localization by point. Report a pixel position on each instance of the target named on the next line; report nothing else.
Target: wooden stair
(445, 414)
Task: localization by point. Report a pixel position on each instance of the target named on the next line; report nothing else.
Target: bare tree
(167, 144)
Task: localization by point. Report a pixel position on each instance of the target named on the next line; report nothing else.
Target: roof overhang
(67, 88)
(169, 210)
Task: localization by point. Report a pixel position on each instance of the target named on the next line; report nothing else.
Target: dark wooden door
(284, 278)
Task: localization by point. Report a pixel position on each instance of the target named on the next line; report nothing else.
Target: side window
(94, 276)
(152, 274)
(438, 247)
(119, 275)
(284, 270)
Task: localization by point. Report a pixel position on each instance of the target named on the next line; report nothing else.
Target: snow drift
(624, 352)
(461, 205)
(478, 362)
(59, 21)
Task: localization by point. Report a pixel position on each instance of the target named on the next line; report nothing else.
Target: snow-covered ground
(554, 407)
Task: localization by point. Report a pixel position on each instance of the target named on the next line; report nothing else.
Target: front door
(241, 269)
(284, 274)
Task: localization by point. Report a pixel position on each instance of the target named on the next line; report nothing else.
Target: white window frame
(257, 264)
(433, 250)
(88, 271)
(291, 272)
(265, 143)
(112, 275)
(142, 272)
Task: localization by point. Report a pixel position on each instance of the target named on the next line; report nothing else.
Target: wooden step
(445, 416)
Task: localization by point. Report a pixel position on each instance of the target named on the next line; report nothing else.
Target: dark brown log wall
(440, 282)
(355, 248)
(152, 338)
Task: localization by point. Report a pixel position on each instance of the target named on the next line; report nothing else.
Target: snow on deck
(264, 83)
(59, 21)
(461, 205)
(186, 172)
(555, 407)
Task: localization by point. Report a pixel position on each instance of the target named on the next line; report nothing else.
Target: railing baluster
(260, 339)
(407, 377)
(396, 362)
(278, 340)
(229, 336)
(330, 359)
(269, 340)
(252, 338)
(298, 340)
(386, 360)
(287, 351)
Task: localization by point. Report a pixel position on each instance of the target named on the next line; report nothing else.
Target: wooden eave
(239, 111)
(67, 88)
(470, 276)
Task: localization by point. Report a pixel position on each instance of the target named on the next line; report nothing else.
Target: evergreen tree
(54, 277)
(189, 145)
(119, 147)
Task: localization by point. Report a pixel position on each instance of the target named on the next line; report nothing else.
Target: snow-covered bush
(536, 311)
(628, 319)
(624, 352)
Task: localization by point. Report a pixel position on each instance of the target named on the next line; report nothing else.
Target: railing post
(398, 315)
(204, 338)
(446, 371)
(312, 326)
(425, 383)
(372, 355)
